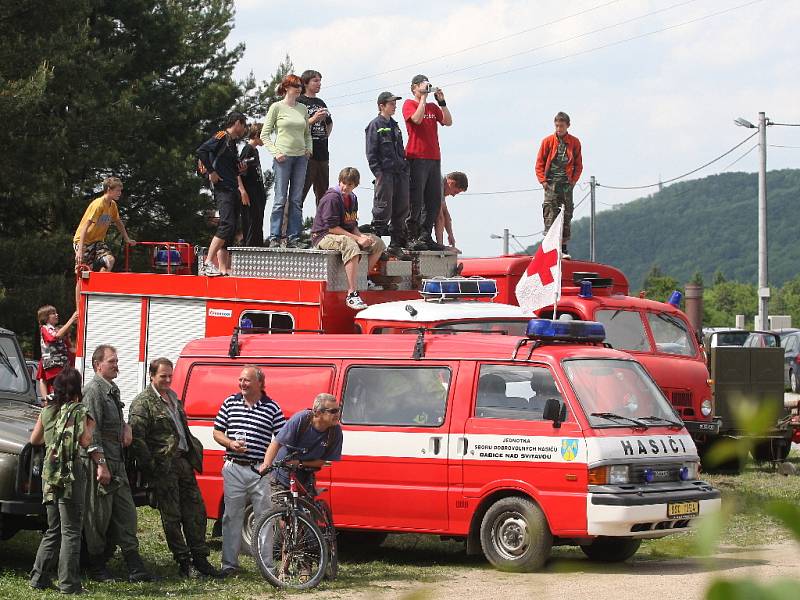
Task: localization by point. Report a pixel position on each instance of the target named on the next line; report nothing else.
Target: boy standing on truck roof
(558, 167)
(89, 239)
(336, 228)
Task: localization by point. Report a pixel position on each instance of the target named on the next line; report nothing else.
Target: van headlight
(610, 475)
(690, 471)
(706, 407)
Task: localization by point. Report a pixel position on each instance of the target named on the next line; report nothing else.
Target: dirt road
(565, 579)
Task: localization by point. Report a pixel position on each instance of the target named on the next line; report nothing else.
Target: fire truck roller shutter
(171, 324)
(116, 320)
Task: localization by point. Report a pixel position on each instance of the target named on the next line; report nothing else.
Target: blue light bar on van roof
(567, 331)
(458, 287)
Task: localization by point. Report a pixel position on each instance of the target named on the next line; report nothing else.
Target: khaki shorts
(347, 246)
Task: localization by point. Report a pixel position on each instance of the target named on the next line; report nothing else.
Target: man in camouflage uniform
(168, 455)
(110, 511)
(558, 167)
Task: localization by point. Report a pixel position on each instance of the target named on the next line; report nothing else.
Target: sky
(651, 87)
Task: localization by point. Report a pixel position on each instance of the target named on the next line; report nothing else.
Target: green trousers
(60, 547)
(110, 511)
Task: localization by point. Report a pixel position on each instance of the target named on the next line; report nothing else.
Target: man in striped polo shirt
(245, 425)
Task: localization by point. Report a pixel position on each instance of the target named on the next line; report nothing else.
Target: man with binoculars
(424, 158)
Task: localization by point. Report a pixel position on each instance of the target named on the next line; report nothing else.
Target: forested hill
(705, 225)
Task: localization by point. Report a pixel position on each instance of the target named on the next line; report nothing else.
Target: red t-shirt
(423, 139)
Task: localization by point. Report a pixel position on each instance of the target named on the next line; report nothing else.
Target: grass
(402, 557)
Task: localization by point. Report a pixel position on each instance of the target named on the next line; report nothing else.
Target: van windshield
(13, 372)
(618, 393)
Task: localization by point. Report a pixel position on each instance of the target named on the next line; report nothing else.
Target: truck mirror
(555, 411)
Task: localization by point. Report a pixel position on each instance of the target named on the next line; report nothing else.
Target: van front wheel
(515, 535)
(611, 549)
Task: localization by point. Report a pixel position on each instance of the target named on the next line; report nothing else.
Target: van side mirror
(555, 411)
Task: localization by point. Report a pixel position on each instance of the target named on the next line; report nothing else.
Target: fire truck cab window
(278, 322)
(624, 329)
(514, 392)
(402, 396)
(670, 334)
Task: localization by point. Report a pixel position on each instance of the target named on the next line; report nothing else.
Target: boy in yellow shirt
(89, 241)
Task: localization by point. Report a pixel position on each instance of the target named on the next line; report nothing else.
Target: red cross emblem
(542, 264)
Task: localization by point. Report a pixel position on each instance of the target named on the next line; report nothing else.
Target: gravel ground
(562, 579)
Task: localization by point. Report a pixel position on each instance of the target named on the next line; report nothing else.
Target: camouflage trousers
(557, 195)
(183, 513)
(110, 516)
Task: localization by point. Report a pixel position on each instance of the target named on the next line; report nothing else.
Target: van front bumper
(641, 512)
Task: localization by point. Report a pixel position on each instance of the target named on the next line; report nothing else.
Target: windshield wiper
(610, 415)
(653, 418)
(5, 360)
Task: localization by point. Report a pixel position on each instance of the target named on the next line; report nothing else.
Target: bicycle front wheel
(289, 549)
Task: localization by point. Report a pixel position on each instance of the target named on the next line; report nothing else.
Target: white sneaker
(355, 302)
(209, 270)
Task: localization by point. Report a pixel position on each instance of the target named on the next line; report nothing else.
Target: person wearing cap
(424, 159)
(387, 161)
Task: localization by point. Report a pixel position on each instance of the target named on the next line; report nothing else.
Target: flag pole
(558, 278)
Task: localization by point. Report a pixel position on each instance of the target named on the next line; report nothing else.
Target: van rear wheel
(611, 549)
(515, 535)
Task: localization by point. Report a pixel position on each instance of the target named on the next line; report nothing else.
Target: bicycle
(294, 544)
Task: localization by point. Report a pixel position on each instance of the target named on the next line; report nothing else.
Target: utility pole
(505, 242)
(592, 231)
(763, 286)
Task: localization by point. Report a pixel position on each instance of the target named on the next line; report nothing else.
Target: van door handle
(435, 444)
(461, 446)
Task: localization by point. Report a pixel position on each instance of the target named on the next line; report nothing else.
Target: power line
(641, 187)
(530, 50)
(536, 189)
(779, 146)
(753, 147)
(473, 47)
(575, 54)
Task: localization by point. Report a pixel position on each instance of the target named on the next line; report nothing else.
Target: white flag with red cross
(540, 285)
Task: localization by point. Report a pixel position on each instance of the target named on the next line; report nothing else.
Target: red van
(513, 444)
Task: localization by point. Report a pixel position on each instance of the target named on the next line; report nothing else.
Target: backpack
(57, 475)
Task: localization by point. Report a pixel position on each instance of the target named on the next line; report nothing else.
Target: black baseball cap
(418, 79)
(385, 97)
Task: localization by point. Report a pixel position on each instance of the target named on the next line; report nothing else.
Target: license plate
(682, 510)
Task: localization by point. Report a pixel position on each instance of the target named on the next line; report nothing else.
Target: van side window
(293, 387)
(404, 396)
(514, 392)
(670, 334)
(264, 319)
(624, 329)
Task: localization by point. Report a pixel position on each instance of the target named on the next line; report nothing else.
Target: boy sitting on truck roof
(336, 228)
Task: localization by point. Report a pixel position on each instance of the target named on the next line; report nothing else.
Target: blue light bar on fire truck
(458, 287)
(566, 331)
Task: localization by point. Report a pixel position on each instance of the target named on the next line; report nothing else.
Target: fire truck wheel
(611, 549)
(771, 450)
(515, 535)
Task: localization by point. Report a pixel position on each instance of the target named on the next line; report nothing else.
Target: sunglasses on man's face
(330, 411)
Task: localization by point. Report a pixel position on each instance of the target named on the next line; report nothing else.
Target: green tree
(659, 286)
(90, 88)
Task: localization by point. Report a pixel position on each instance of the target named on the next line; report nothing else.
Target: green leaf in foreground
(788, 514)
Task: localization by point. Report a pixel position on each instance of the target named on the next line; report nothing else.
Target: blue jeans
(290, 176)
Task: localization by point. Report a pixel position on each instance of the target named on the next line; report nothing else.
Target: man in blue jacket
(387, 161)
